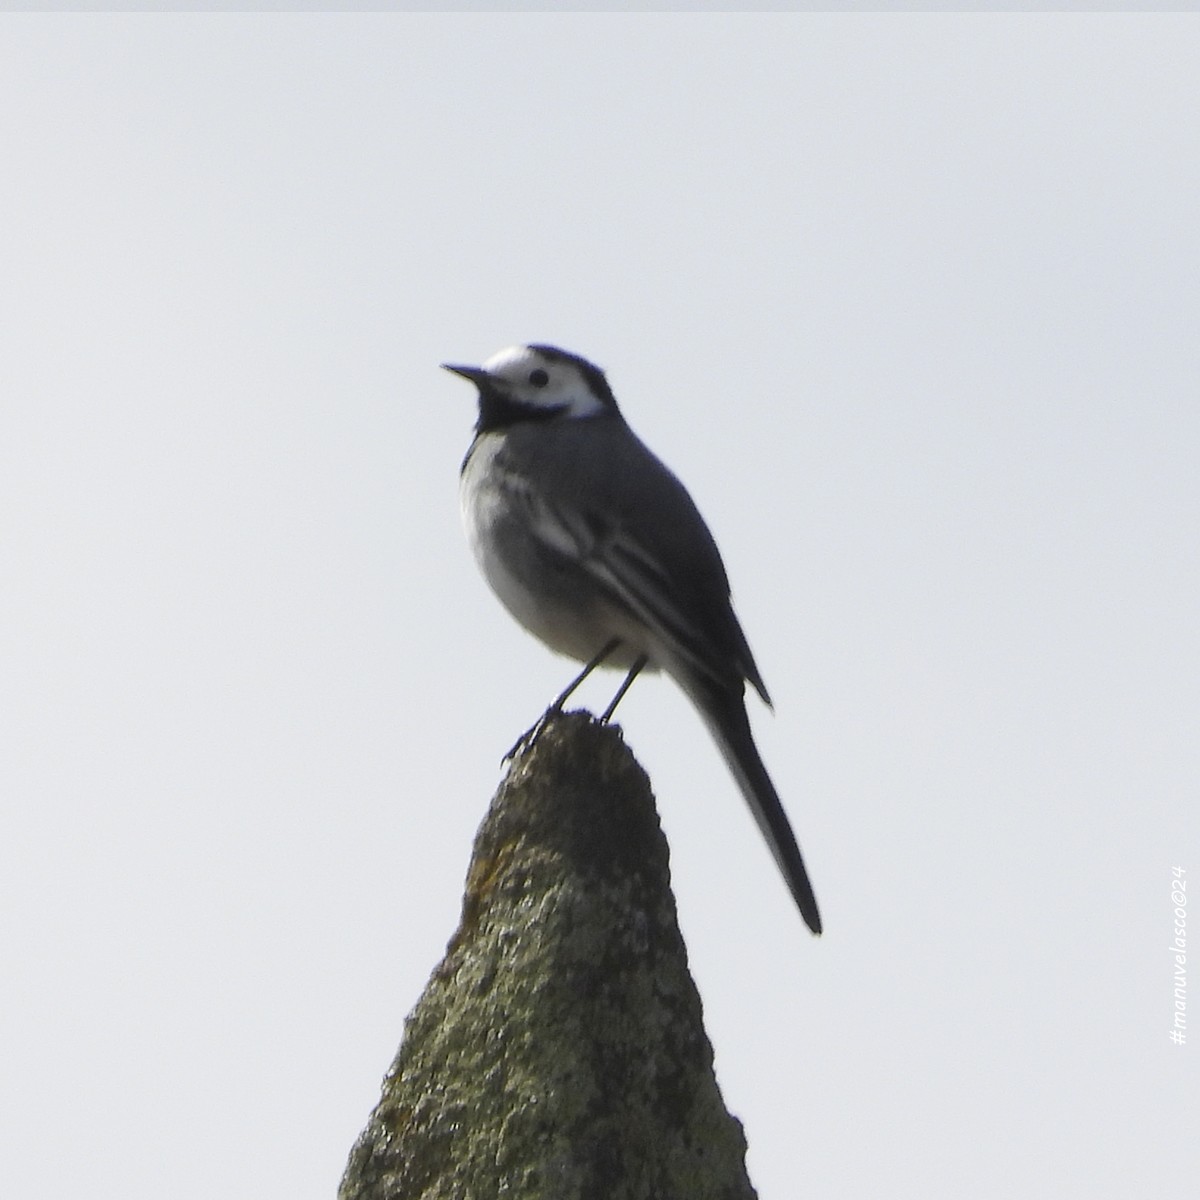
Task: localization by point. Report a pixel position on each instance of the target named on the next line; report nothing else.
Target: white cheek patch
(582, 404)
(566, 391)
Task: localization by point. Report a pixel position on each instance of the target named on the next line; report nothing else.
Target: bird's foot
(531, 735)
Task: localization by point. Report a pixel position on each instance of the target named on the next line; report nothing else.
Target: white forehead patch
(508, 363)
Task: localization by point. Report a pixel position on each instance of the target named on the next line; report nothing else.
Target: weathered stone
(558, 1052)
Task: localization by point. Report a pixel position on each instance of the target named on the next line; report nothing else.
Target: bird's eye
(538, 377)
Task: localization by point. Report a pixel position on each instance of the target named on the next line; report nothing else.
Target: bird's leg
(530, 735)
(634, 671)
(565, 695)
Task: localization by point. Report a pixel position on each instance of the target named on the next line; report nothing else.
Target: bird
(598, 550)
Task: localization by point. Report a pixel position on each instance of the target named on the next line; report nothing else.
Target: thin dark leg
(634, 671)
(564, 696)
(530, 735)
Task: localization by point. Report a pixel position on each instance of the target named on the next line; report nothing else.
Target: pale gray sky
(911, 305)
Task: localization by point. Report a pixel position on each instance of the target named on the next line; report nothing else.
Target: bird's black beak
(477, 375)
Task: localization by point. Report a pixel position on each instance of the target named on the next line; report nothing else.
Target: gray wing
(605, 502)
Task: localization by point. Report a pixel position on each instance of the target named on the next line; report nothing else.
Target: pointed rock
(558, 1052)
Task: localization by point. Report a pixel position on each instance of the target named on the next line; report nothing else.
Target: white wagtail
(597, 549)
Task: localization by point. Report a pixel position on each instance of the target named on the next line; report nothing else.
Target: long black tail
(725, 715)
